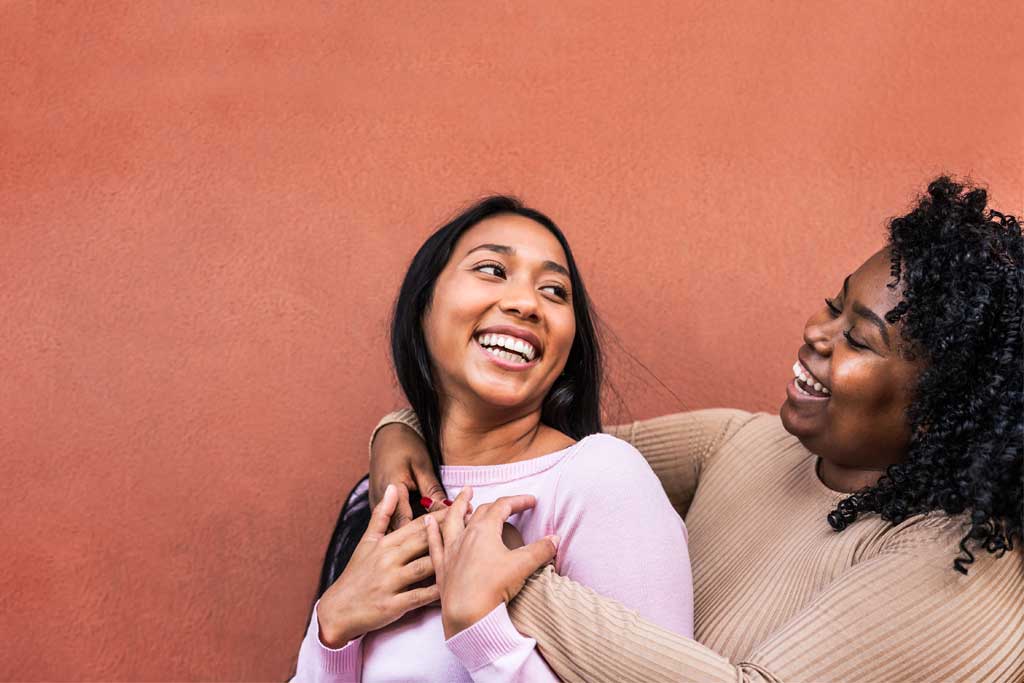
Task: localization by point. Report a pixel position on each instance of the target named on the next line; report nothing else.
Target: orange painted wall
(206, 209)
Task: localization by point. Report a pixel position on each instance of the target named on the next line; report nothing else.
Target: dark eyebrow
(866, 312)
(503, 249)
(500, 248)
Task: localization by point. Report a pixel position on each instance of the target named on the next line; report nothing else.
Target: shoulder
(604, 461)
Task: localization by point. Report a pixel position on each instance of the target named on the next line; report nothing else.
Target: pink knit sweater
(600, 496)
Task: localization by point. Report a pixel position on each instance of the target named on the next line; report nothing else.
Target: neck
(846, 479)
(469, 438)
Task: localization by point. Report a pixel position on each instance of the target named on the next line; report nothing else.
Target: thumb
(428, 486)
(532, 557)
(381, 516)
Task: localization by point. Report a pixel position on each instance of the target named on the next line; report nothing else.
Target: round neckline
(478, 475)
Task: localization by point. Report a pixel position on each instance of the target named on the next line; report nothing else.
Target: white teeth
(798, 372)
(523, 348)
(505, 355)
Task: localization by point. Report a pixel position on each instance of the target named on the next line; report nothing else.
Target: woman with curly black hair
(902, 429)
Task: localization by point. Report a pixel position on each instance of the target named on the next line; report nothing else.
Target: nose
(520, 300)
(819, 334)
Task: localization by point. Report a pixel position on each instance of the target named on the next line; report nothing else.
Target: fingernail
(388, 489)
(554, 540)
(426, 502)
(447, 502)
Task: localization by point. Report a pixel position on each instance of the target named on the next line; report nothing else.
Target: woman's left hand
(474, 570)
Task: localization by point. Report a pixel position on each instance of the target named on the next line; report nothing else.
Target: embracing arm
(675, 446)
(904, 615)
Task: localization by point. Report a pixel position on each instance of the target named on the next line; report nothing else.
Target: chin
(502, 399)
(792, 423)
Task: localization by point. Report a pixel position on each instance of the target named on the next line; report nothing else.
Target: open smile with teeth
(806, 384)
(511, 349)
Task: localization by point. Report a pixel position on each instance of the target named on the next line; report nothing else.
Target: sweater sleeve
(903, 615)
(675, 446)
(493, 651)
(321, 664)
(679, 446)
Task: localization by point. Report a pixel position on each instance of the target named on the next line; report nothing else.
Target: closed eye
(853, 342)
(833, 309)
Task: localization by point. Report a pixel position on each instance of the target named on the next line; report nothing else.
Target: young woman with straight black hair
(495, 348)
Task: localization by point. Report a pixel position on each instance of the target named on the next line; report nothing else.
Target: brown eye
(557, 290)
(492, 269)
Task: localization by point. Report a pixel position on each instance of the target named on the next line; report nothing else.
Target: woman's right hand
(374, 590)
(399, 456)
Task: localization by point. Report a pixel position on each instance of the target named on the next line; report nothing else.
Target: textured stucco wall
(205, 211)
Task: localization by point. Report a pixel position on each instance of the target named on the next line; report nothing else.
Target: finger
(381, 516)
(410, 541)
(418, 597)
(416, 571)
(501, 509)
(532, 557)
(429, 487)
(455, 521)
(436, 547)
(403, 512)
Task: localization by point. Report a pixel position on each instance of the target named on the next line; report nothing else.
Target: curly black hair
(962, 270)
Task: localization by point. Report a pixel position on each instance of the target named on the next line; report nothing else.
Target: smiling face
(501, 323)
(853, 382)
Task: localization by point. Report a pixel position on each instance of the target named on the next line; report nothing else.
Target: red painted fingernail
(447, 502)
(426, 502)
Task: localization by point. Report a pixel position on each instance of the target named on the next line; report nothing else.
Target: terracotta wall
(206, 209)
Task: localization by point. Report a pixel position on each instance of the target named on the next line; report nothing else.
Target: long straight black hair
(572, 405)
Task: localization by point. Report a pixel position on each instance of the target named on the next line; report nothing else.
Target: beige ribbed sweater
(778, 595)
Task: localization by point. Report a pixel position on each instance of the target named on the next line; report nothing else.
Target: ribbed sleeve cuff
(345, 660)
(492, 637)
(405, 416)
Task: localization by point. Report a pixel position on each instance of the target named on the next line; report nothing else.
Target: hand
(475, 571)
(374, 590)
(399, 456)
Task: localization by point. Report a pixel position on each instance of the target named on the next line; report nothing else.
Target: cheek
(562, 332)
(869, 406)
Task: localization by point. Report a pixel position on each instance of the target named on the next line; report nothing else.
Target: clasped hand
(474, 570)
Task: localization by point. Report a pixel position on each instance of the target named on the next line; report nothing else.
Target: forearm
(586, 637)
(318, 663)
(403, 416)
